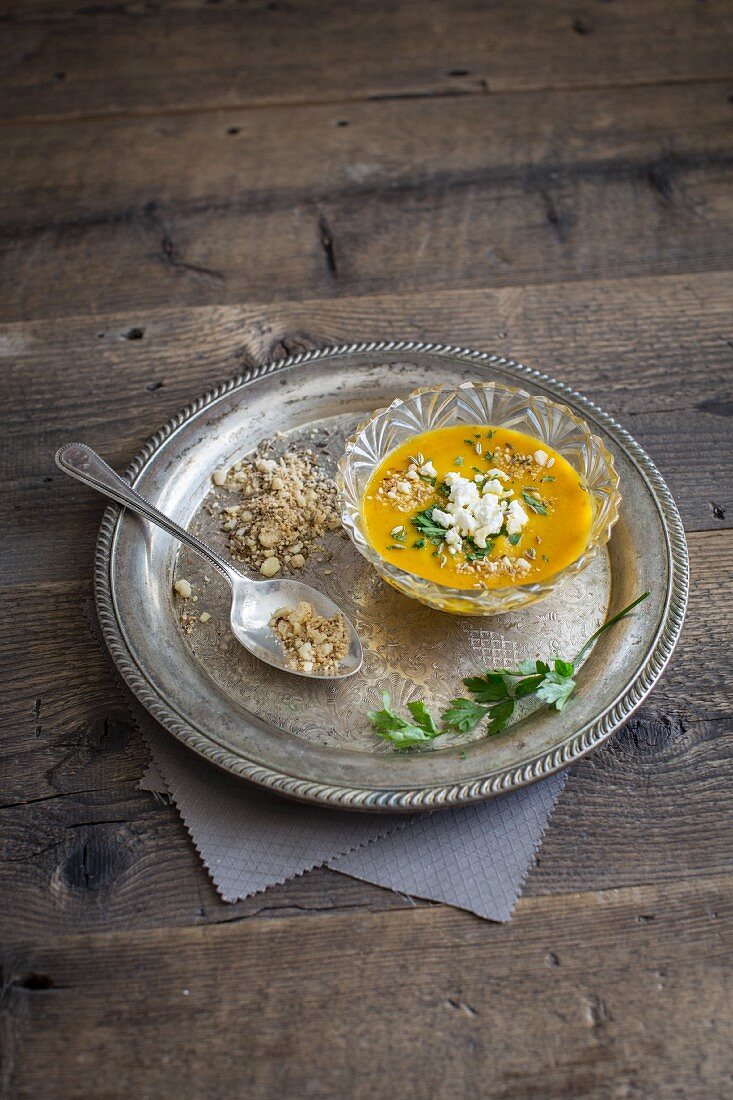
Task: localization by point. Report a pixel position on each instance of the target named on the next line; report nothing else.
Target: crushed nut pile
(311, 642)
(287, 505)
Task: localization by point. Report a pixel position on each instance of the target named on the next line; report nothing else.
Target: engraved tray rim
(406, 799)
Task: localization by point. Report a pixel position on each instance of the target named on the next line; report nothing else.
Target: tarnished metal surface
(311, 740)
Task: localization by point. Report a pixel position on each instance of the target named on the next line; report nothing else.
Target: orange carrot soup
(471, 506)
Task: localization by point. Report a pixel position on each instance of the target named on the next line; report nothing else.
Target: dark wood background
(191, 187)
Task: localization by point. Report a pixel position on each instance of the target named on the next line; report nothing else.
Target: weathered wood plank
(655, 353)
(486, 191)
(66, 59)
(631, 986)
(82, 849)
(248, 155)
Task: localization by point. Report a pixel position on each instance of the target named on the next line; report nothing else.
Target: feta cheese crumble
(478, 511)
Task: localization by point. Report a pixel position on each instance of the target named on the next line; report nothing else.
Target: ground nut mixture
(311, 642)
(287, 505)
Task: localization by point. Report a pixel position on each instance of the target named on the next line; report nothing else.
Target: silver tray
(310, 740)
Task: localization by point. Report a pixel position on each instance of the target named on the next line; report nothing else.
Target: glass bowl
(496, 405)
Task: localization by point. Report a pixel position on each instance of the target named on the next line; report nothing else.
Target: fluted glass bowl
(496, 405)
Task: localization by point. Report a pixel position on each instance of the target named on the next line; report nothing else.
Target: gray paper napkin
(247, 838)
(474, 858)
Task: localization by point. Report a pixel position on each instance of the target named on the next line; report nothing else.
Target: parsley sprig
(493, 697)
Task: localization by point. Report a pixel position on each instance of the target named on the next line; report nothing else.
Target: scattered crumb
(188, 622)
(183, 588)
(204, 616)
(311, 642)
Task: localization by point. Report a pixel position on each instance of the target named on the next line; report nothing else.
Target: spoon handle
(81, 462)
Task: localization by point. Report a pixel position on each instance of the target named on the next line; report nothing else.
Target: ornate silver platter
(311, 740)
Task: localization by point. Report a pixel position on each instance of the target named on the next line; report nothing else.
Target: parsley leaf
(536, 505)
(488, 688)
(527, 668)
(464, 714)
(528, 686)
(499, 716)
(556, 689)
(514, 539)
(478, 552)
(401, 732)
(423, 717)
(424, 523)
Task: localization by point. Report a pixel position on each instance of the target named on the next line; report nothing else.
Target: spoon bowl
(253, 601)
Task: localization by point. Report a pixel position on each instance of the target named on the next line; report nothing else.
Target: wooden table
(189, 188)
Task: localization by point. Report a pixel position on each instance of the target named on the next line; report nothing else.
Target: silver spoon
(253, 602)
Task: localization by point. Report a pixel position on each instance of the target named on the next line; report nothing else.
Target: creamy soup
(472, 506)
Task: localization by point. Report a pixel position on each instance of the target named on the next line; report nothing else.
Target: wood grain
(82, 848)
(433, 1000)
(65, 59)
(410, 195)
(548, 180)
(655, 353)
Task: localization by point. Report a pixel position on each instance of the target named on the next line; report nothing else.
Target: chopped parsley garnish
(444, 489)
(494, 696)
(424, 523)
(458, 461)
(536, 505)
(477, 553)
(490, 435)
(430, 480)
(419, 543)
(514, 539)
(469, 442)
(545, 557)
